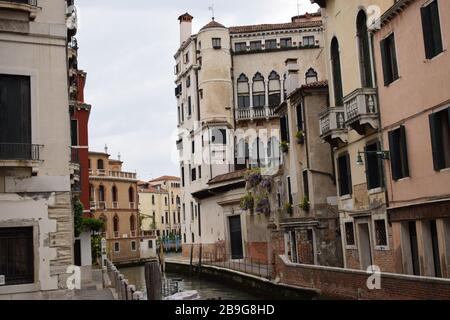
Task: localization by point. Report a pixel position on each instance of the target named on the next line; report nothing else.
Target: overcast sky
(127, 49)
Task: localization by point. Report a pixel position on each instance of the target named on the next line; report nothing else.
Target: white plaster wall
(86, 252)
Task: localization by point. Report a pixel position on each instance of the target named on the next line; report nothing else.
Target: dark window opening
(374, 167)
(380, 232)
(240, 47)
(349, 233)
(436, 252)
(399, 153)
(431, 25)
(389, 59)
(336, 68)
(345, 177)
(74, 132)
(255, 45)
(364, 50)
(217, 43)
(440, 139)
(270, 44)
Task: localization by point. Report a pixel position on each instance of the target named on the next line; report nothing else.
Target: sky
(127, 49)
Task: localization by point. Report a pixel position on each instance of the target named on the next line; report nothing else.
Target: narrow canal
(207, 289)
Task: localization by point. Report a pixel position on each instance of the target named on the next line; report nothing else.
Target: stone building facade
(36, 220)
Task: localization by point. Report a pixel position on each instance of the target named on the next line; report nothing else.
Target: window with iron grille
(116, 247)
(133, 245)
(349, 234)
(380, 232)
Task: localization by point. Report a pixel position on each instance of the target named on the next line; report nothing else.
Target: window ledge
(435, 57)
(445, 170)
(403, 179)
(346, 197)
(376, 191)
(351, 248)
(31, 9)
(20, 163)
(382, 248)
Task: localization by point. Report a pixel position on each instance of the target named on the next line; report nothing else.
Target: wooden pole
(192, 258)
(153, 281)
(200, 259)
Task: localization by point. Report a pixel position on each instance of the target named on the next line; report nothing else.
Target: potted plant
(285, 146)
(300, 137)
(305, 204)
(288, 208)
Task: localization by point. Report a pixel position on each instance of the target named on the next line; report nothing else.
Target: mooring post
(192, 258)
(153, 281)
(200, 260)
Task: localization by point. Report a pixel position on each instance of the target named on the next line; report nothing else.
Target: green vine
(78, 217)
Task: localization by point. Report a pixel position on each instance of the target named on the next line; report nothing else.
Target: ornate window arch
(274, 89)
(337, 76)
(243, 90)
(311, 76)
(259, 91)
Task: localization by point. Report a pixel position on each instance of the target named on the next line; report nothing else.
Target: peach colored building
(412, 66)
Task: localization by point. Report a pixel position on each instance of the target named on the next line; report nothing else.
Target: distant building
(36, 218)
(114, 199)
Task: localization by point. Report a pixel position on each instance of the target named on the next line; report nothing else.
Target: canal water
(207, 289)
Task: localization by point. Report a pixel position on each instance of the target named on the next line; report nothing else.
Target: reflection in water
(207, 289)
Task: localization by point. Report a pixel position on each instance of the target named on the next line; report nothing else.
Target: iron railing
(29, 2)
(19, 151)
(253, 266)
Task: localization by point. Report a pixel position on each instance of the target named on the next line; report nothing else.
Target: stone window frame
(375, 246)
(344, 232)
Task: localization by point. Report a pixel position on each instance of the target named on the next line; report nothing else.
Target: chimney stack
(292, 79)
(185, 27)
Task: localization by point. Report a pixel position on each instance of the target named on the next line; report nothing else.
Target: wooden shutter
(395, 155)
(436, 142)
(393, 56)
(427, 32)
(384, 58)
(436, 27)
(404, 153)
(299, 117)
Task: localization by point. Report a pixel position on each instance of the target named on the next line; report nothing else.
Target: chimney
(292, 78)
(185, 27)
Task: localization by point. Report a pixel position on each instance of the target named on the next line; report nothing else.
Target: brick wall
(257, 251)
(352, 284)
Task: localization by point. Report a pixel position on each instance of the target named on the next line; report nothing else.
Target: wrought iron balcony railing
(20, 151)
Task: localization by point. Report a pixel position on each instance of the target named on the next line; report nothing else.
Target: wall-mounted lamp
(384, 155)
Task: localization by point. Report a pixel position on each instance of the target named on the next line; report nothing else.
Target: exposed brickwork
(257, 251)
(347, 284)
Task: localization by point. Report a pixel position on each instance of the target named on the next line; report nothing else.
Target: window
(380, 233)
(349, 234)
(174, 217)
(344, 175)
(255, 45)
(133, 245)
(114, 194)
(389, 59)
(259, 91)
(100, 164)
(184, 238)
(132, 224)
(116, 247)
(243, 89)
(188, 81)
(165, 201)
(364, 50)
(189, 106)
(193, 238)
(286, 43)
(440, 139)
(219, 136)
(336, 68)
(182, 176)
(306, 184)
(299, 113)
(309, 41)
(284, 126)
(15, 119)
(274, 89)
(17, 255)
(374, 167)
(131, 194)
(182, 112)
(177, 69)
(194, 174)
(184, 212)
(179, 114)
(74, 132)
(186, 57)
(150, 244)
(217, 43)
(101, 194)
(193, 146)
(192, 211)
(399, 153)
(162, 219)
(116, 224)
(199, 172)
(153, 200)
(240, 47)
(179, 217)
(289, 191)
(167, 218)
(271, 44)
(311, 76)
(431, 30)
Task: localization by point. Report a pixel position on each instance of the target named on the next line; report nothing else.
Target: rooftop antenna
(298, 7)
(211, 8)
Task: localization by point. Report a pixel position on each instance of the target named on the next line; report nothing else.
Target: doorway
(365, 248)
(77, 252)
(237, 250)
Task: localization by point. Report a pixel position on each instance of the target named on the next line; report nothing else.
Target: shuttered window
(337, 77)
(374, 167)
(284, 125)
(74, 132)
(289, 190)
(389, 59)
(440, 139)
(15, 117)
(431, 26)
(349, 234)
(17, 255)
(345, 175)
(299, 117)
(399, 153)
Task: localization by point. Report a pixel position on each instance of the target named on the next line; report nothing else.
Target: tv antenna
(211, 8)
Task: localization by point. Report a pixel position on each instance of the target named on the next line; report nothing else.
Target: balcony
(123, 175)
(361, 111)
(133, 206)
(20, 155)
(264, 113)
(28, 6)
(115, 205)
(332, 126)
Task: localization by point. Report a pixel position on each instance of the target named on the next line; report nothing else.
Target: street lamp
(385, 155)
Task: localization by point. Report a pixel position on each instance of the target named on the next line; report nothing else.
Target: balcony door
(15, 117)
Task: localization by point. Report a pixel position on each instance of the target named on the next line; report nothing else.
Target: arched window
(243, 90)
(101, 194)
(105, 223)
(100, 164)
(132, 223)
(258, 154)
(274, 89)
(116, 223)
(114, 194)
(364, 50)
(259, 91)
(178, 200)
(91, 193)
(241, 154)
(131, 194)
(337, 77)
(311, 76)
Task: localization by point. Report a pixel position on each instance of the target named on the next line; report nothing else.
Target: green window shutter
(427, 32)
(384, 57)
(395, 156)
(404, 153)
(436, 142)
(436, 27)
